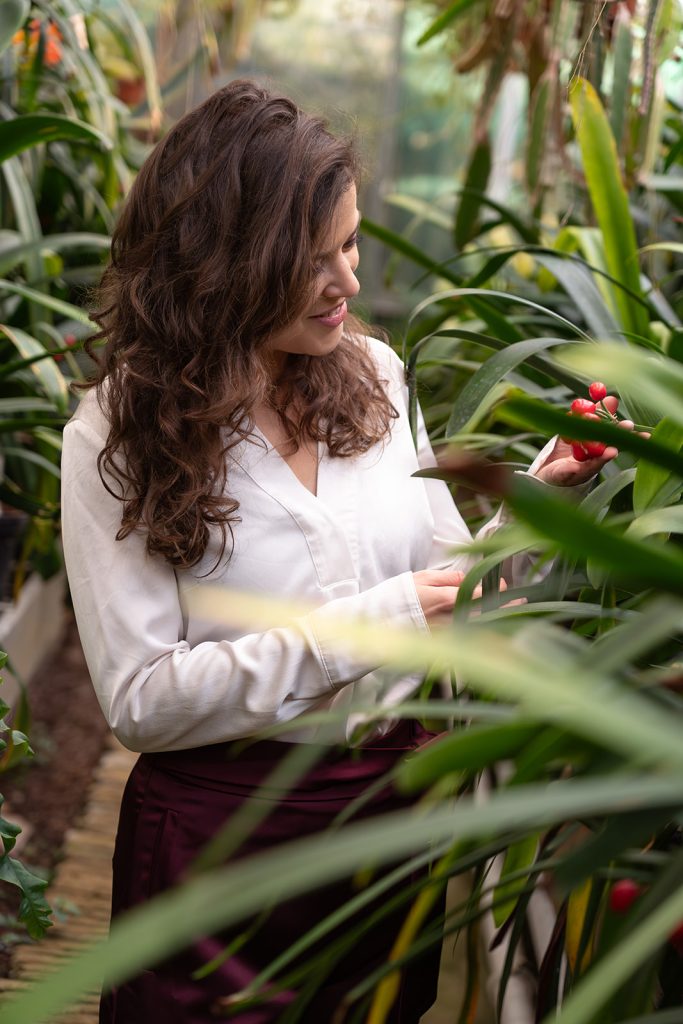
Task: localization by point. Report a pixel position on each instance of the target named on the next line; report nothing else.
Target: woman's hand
(561, 468)
(437, 590)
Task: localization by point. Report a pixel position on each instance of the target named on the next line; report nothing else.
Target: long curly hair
(214, 253)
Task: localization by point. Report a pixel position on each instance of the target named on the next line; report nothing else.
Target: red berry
(580, 406)
(594, 448)
(70, 340)
(597, 391)
(676, 938)
(58, 357)
(579, 453)
(623, 895)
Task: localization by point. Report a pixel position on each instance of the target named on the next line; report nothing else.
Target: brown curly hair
(229, 208)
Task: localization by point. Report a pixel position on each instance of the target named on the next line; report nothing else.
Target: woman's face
(319, 330)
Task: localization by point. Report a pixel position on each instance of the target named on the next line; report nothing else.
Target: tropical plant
(34, 911)
(572, 701)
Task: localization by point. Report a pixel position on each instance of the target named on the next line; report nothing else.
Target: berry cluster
(600, 406)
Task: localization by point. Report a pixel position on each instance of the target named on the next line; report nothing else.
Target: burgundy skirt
(175, 802)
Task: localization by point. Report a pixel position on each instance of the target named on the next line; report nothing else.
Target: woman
(242, 430)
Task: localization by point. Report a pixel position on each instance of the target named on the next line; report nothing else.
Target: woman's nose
(342, 281)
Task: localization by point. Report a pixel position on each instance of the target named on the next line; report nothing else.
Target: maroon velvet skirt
(175, 802)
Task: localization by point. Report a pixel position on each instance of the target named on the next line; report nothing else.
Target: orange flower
(53, 38)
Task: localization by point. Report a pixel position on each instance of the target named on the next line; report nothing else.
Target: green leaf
(621, 85)
(578, 282)
(445, 18)
(657, 520)
(519, 855)
(35, 458)
(649, 381)
(34, 910)
(14, 254)
(609, 199)
(8, 834)
(529, 413)
(478, 387)
(651, 481)
(541, 109)
(476, 180)
(595, 989)
(49, 378)
(28, 130)
(470, 750)
(214, 900)
(58, 305)
(629, 560)
(13, 14)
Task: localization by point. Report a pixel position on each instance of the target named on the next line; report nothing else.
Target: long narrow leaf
(32, 129)
(609, 198)
(489, 374)
(168, 922)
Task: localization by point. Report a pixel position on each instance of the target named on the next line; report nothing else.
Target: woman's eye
(353, 241)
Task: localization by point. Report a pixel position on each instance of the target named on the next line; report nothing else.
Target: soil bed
(47, 793)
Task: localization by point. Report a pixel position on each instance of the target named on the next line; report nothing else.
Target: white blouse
(167, 679)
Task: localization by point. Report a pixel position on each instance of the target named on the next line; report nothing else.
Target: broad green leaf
(13, 14)
(48, 301)
(476, 180)
(597, 502)
(470, 750)
(168, 922)
(34, 910)
(609, 199)
(579, 283)
(478, 387)
(444, 19)
(28, 130)
(657, 520)
(629, 560)
(519, 855)
(8, 834)
(51, 381)
(650, 482)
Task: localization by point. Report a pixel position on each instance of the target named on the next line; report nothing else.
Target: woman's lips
(332, 317)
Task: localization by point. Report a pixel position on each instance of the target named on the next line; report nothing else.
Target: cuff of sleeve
(393, 602)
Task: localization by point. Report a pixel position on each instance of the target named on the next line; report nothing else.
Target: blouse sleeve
(156, 691)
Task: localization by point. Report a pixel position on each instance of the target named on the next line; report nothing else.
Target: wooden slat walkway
(80, 892)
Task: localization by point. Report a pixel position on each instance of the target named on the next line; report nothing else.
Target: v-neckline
(272, 449)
